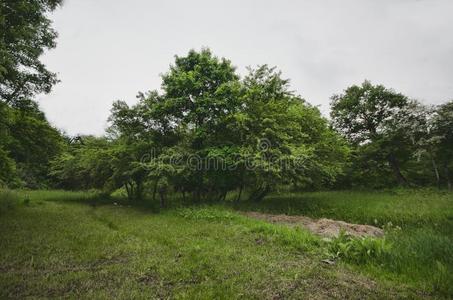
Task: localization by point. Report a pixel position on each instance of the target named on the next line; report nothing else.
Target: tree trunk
(219, 196)
(259, 194)
(162, 199)
(262, 194)
(126, 185)
(138, 190)
(131, 188)
(396, 170)
(198, 195)
(436, 171)
(447, 176)
(155, 189)
(238, 198)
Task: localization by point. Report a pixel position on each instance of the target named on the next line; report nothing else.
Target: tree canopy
(390, 133)
(26, 33)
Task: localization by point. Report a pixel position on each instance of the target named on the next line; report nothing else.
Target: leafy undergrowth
(68, 248)
(359, 250)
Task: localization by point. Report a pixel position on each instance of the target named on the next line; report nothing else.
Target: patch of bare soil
(324, 227)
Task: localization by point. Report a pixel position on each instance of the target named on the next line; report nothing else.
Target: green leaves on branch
(26, 33)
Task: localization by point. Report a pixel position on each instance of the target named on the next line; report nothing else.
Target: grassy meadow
(80, 244)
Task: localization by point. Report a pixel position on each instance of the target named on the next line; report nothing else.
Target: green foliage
(8, 175)
(84, 165)
(443, 127)
(241, 134)
(367, 116)
(359, 250)
(392, 134)
(26, 33)
(27, 144)
(363, 112)
(27, 141)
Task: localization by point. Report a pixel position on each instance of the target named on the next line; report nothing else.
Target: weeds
(359, 250)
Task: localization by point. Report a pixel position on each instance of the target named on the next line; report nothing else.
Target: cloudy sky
(109, 50)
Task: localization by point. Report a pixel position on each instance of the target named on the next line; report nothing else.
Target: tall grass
(8, 201)
(296, 238)
(401, 207)
(60, 195)
(417, 250)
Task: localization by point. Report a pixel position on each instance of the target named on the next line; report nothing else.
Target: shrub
(358, 250)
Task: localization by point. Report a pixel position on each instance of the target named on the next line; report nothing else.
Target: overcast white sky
(109, 50)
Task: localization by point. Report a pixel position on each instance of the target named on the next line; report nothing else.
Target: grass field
(421, 252)
(76, 245)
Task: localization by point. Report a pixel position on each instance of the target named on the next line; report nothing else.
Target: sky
(110, 50)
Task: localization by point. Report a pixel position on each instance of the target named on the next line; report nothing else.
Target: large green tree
(211, 132)
(27, 141)
(368, 116)
(284, 139)
(189, 119)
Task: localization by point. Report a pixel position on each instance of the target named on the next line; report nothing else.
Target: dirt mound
(325, 227)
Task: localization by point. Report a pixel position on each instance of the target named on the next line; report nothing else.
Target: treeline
(208, 132)
(263, 136)
(28, 144)
(27, 141)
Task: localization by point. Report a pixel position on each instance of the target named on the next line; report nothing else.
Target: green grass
(8, 201)
(422, 250)
(61, 244)
(401, 207)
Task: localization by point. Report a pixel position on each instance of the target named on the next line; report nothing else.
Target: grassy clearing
(421, 251)
(68, 248)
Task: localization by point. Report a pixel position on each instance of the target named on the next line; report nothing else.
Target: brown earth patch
(324, 227)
